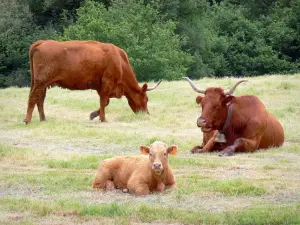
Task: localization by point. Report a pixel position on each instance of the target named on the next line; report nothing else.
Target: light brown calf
(138, 174)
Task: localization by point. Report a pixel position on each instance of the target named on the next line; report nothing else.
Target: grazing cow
(81, 65)
(235, 124)
(138, 174)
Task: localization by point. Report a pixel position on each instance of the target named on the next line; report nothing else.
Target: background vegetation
(165, 39)
(46, 168)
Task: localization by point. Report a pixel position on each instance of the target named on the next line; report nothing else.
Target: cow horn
(200, 90)
(229, 92)
(155, 86)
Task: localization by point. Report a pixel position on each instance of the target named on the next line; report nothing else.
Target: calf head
(158, 155)
(138, 102)
(214, 106)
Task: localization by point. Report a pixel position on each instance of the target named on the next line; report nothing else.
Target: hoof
(225, 154)
(125, 190)
(197, 150)
(25, 121)
(93, 115)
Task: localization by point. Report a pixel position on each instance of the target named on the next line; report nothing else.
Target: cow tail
(31, 51)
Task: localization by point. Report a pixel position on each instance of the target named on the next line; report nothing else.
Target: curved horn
(152, 88)
(229, 92)
(199, 90)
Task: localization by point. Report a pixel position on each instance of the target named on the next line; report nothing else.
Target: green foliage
(164, 39)
(150, 42)
(17, 32)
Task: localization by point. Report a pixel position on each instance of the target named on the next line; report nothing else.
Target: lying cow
(82, 65)
(235, 124)
(138, 174)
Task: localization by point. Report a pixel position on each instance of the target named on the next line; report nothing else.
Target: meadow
(46, 168)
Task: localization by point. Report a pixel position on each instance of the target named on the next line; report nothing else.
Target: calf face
(158, 155)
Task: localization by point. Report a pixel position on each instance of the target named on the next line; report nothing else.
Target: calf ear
(199, 99)
(144, 149)
(228, 99)
(172, 149)
(145, 87)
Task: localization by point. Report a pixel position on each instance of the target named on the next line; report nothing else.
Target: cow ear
(172, 149)
(145, 150)
(228, 99)
(144, 87)
(199, 99)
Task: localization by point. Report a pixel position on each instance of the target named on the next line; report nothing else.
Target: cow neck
(221, 136)
(130, 82)
(228, 118)
(131, 89)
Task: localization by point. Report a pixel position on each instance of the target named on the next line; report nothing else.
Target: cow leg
(40, 105)
(241, 144)
(97, 112)
(208, 147)
(34, 96)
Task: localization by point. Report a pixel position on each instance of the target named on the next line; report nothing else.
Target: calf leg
(134, 185)
(241, 144)
(109, 185)
(160, 187)
(141, 189)
(102, 178)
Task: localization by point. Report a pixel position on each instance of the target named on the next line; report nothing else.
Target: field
(46, 168)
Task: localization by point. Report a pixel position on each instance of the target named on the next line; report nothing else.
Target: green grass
(230, 187)
(47, 168)
(144, 213)
(49, 182)
(76, 162)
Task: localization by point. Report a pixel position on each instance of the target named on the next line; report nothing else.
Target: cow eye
(150, 154)
(165, 154)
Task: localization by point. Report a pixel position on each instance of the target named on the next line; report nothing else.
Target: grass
(144, 213)
(230, 187)
(46, 169)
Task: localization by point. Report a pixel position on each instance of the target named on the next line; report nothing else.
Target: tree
(150, 42)
(17, 32)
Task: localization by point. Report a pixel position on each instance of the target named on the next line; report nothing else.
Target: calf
(138, 174)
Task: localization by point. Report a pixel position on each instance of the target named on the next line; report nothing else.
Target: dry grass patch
(50, 165)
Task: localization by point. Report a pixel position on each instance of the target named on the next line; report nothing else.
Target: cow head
(214, 106)
(138, 102)
(158, 155)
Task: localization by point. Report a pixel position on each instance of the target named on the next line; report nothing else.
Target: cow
(82, 65)
(139, 174)
(235, 124)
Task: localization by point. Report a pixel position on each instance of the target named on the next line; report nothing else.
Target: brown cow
(138, 174)
(234, 123)
(81, 65)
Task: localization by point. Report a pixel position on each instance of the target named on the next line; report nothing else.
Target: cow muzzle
(202, 123)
